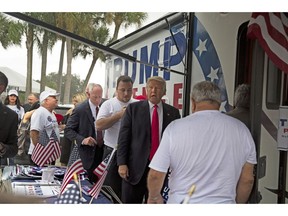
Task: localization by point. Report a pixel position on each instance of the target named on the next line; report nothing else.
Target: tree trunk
(44, 61)
(116, 32)
(60, 69)
(66, 98)
(90, 71)
(29, 47)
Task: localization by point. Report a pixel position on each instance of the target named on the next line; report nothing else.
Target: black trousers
(97, 160)
(138, 193)
(113, 179)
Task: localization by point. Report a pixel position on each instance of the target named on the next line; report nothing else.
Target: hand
(155, 199)
(123, 172)
(90, 141)
(61, 127)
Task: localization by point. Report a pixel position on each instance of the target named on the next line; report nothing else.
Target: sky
(15, 58)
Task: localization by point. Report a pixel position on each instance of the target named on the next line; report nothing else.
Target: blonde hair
(158, 79)
(78, 98)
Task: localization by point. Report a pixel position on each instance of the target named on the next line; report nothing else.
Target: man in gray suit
(8, 126)
(135, 139)
(81, 127)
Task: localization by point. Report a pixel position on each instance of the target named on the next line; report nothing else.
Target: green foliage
(76, 84)
(10, 32)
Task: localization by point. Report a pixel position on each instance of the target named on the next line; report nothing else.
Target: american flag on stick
(101, 172)
(46, 150)
(71, 196)
(77, 168)
(271, 30)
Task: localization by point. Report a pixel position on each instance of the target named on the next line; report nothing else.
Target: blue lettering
(134, 66)
(282, 122)
(181, 47)
(122, 66)
(154, 56)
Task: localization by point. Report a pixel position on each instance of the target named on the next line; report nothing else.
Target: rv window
(273, 93)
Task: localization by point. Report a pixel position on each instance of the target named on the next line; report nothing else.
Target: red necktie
(99, 137)
(154, 132)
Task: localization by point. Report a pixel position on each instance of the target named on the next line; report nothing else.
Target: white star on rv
(213, 74)
(202, 47)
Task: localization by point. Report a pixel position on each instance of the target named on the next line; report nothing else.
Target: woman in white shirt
(13, 102)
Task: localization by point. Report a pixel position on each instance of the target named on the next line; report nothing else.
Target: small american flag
(74, 154)
(71, 196)
(101, 172)
(46, 150)
(271, 30)
(76, 167)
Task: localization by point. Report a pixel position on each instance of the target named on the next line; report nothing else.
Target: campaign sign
(282, 137)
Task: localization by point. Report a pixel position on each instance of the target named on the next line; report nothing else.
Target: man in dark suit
(242, 105)
(81, 127)
(135, 139)
(8, 126)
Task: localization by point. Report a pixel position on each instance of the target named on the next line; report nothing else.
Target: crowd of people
(208, 149)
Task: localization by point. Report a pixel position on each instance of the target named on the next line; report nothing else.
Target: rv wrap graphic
(164, 53)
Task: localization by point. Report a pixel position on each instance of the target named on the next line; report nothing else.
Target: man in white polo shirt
(109, 119)
(208, 149)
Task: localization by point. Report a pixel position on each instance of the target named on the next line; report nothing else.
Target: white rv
(185, 48)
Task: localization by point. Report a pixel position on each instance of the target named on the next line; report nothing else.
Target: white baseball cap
(46, 94)
(13, 92)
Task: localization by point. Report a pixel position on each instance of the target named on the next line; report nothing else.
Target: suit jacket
(134, 141)
(8, 130)
(79, 126)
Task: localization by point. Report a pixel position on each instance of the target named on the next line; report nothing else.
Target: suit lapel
(166, 116)
(145, 117)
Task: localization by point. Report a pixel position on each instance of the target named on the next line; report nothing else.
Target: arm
(124, 138)
(71, 130)
(105, 123)
(34, 135)
(27, 116)
(155, 182)
(245, 183)
(9, 147)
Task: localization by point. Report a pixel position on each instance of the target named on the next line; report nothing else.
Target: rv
(185, 48)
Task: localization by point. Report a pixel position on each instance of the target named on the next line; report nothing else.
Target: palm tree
(45, 43)
(10, 32)
(100, 34)
(29, 32)
(126, 20)
(97, 32)
(78, 23)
